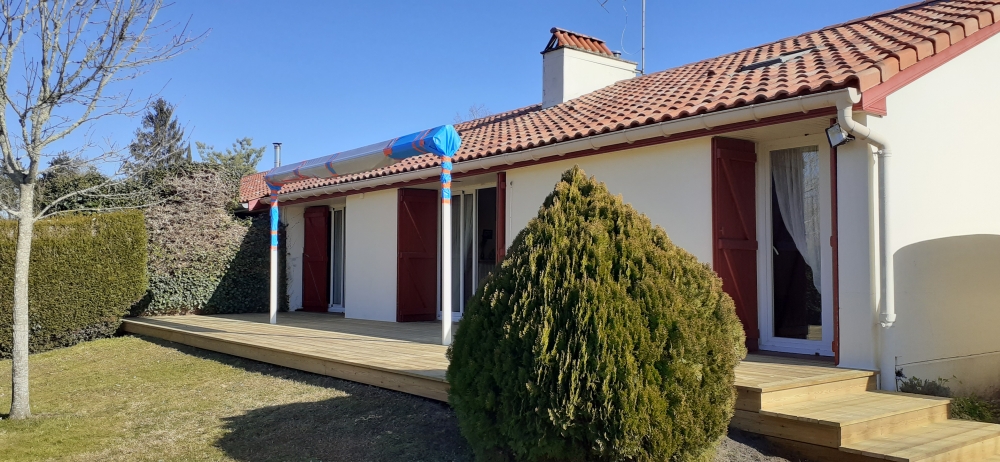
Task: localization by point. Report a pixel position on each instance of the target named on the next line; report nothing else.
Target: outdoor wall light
(837, 136)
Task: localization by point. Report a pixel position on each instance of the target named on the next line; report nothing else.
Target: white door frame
(765, 284)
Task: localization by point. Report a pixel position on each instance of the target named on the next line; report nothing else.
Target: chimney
(277, 155)
(574, 64)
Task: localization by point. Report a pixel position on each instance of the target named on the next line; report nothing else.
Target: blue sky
(326, 76)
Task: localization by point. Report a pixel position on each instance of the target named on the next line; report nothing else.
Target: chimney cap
(562, 38)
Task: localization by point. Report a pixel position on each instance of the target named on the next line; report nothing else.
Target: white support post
(445, 250)
(274, 254)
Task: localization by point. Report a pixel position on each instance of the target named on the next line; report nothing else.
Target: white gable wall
(670, 183)
(945, 209)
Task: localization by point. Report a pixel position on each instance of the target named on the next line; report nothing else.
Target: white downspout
(886, 272)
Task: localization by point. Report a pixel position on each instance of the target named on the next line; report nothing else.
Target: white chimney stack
(575, 64)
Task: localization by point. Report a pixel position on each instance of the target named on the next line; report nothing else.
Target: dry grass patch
(134, 398)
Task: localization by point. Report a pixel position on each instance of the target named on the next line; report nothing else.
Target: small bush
(920, 386)
(967, 407)
(972, 408)
(85, 273)
(596, 339)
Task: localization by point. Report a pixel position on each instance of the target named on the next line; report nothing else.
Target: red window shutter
(734, 227)
(316, 259)
(417, 245)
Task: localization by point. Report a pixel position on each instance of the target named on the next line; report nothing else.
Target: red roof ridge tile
(562, 38)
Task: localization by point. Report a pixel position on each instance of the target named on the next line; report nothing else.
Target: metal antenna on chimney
(643, 59)
(602, 3)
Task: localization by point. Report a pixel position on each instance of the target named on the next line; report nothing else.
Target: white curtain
(796, 185)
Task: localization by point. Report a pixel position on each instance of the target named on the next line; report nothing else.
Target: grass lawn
(136, 398)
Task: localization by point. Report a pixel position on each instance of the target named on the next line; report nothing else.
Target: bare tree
(476, 111)
(61, 62)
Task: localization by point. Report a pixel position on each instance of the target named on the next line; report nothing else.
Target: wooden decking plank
(854, 408)
(291, 347)
(932, 440)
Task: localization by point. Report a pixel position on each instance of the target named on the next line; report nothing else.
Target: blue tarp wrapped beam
(442, 141)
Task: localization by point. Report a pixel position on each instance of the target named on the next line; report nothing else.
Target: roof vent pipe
(277, 155)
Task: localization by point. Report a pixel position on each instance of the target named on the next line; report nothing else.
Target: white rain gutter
(708, 121)
(863, 133)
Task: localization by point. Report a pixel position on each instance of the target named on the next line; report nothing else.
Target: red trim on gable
(873, 99)
(700, 133)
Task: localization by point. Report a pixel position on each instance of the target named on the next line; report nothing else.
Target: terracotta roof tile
(861, 53)
(563, 38)
(253, 187)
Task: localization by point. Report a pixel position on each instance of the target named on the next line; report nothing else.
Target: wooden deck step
(750, 399)
(834, 421)
(764, 381)
(952, 440)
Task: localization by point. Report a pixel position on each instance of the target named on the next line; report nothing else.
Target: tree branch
(72, 53)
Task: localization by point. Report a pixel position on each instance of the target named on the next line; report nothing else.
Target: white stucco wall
(670, 183)
(945, 193)
(370, 265)
(568, 73)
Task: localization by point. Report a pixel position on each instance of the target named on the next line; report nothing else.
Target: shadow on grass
(351, 428)
(369, 424)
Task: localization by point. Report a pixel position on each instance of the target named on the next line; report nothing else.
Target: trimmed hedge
(86, 271)
(596, 339)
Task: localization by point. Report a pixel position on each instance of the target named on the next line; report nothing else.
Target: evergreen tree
(67, 174)
(596, 339)
(241, 159)
(160, 140)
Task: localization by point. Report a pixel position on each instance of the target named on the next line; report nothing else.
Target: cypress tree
(596, 339)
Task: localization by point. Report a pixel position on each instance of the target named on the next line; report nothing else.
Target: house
(842, 182)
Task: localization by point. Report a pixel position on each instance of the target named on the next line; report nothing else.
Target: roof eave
(752, 112)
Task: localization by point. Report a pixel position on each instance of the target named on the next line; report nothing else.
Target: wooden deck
(406, 349)
(830, 413)
(406, 357)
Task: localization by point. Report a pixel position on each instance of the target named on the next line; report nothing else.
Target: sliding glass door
(473, 245)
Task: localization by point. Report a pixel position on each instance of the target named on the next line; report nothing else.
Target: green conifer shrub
(595, 339)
